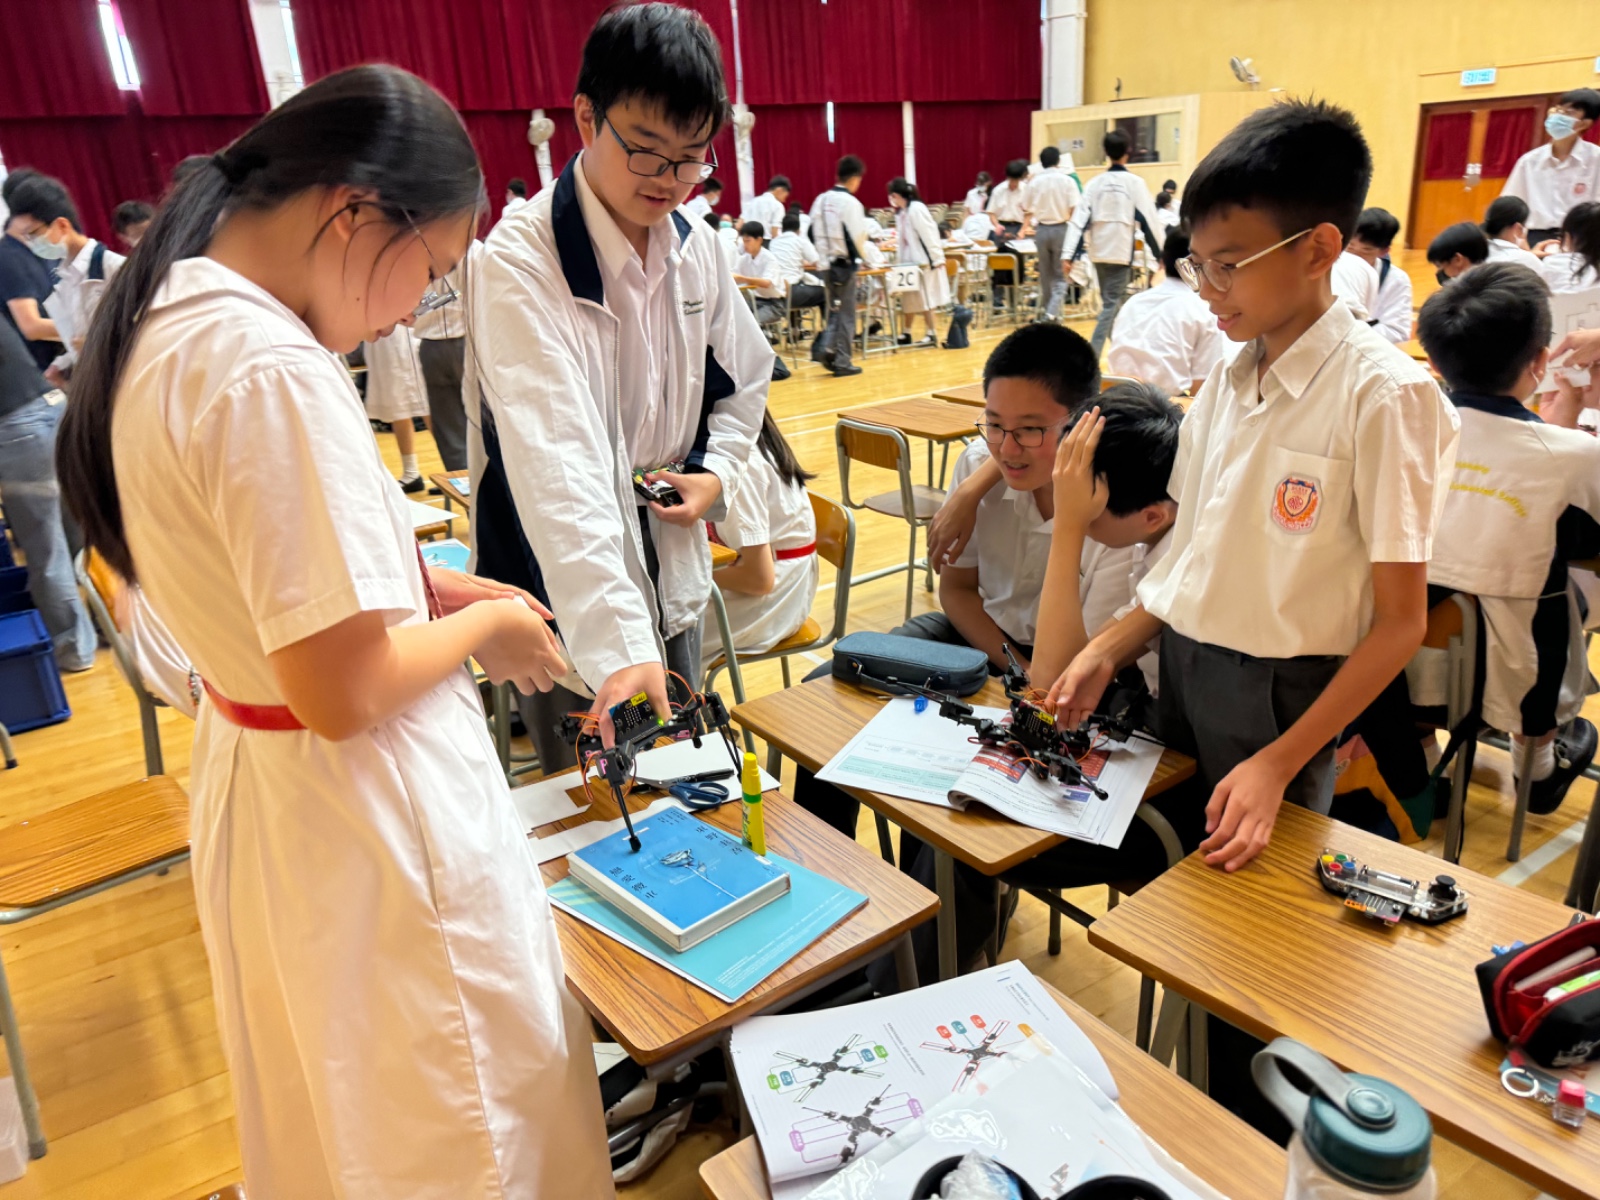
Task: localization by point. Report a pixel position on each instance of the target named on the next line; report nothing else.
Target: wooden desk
(933, 420)
(722, 556)
(812, 722)
(1415, 350)
(452, 496)
(1202, 1135)
(660, 1018)
(967, 393)
(1400, 1003)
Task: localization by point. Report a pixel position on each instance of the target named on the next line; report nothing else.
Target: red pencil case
(1561, 1031)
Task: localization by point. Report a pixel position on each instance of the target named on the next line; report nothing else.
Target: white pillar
(280, 59)
(1064, 22)
(908, 131)
(743, 154)
(541, 156)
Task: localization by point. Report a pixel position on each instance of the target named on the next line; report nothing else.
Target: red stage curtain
(1445, 154)
(196, 58)
(53, 61)
(1508, 137)
(873, 133)
(957, 140)
(792, 140)
(782, 45)
(970, 50)
(501, 139)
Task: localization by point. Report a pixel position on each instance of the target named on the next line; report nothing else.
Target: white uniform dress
(917, 240)
(766, 511)
(395, 387)
(386, 970)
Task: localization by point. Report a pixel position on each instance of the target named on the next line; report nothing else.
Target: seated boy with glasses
(1309, 479)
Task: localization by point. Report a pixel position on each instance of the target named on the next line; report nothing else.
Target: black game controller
(663, 494)
(1387, 898)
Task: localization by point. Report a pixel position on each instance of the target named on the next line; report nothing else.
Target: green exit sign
(1479, 78)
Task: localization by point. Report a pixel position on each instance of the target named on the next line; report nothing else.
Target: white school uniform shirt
(1167, 218)
(767, 209)
(1551, 186)
(917, 241)
(1514, 477)
(1144, 558)
(588, 370)
(1010, 547)
(73, 302)
(1005, 203)
(1355, 281)
(359, 896)
(698, 207)
(1049, 197)
(840, 228)
(796, 257)
(1288, 492)
(1114, 204)
(396, 390)
(512, 205)
(1167, 336)
(1564, 271)
(978, 228)
(763, 266)
(977, 199)
(1501, 250)
(766, 511)
(1394, 313)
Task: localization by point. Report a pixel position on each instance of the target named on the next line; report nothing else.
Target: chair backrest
(1444, 622)
(103, 581)
(1002, 262)
(874, 446)
(836, 545)
(1111, 381)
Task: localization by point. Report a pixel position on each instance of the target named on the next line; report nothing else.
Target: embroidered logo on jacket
(693, 308)
(1295, 503)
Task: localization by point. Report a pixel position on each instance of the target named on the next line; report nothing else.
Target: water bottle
(1355, 1136)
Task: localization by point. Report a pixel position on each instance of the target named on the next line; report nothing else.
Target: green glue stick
(755, 830)
(1571, 985)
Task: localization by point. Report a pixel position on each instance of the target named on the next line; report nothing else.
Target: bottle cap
(1572, 1092)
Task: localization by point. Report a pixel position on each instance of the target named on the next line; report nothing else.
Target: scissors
(696, 791)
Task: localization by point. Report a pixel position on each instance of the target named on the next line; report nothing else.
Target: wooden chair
(1453, 628)
(1012, 263)
(73, 852)
(1108, 382)
(101, 585)
(7, 752)
(836, 546)
(886, 448)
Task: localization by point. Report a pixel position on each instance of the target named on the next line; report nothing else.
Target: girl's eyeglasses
(435, 298)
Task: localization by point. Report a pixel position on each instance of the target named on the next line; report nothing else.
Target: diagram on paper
(976, 1045)
(834, 1137)
(797, 1073)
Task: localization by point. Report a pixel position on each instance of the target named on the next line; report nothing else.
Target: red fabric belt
(274, 718)
(805, 551)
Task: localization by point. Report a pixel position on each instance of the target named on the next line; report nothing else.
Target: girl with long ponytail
(387, 976)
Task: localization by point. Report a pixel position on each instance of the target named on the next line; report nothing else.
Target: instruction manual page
(823, 1088)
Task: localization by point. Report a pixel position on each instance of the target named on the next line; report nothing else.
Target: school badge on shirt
(1295, 503)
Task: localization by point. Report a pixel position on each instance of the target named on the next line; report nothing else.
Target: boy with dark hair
(1048, 200)
(797, 257)
(842, 235)
(1565, 171)
(756, 268)
(769, 207)
(1115, 204)
(45, 215)
(1457, 249)
(1529, 500)
(26, 277)
(130, 219)
(1375, 233)
(516, 196)
(1308, 480)
(705, 204)
(1505, 224)
(615, 342)
(1166, 335)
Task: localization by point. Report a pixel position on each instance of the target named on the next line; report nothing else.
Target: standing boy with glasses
(609, 338)
(1309, 479)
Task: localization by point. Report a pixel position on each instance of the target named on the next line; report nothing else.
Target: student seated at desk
(1308, 475)
(757, 268)
(1166, 335)
(769, 590)
(1375, 233)
(796, 258)
(1506, 227)
(1457, 249)
(978, 228)
(1527, 500)
(1575, 267)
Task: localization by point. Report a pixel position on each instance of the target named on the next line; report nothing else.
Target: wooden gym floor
(114, 996)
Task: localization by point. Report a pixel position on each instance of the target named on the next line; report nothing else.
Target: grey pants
(1048, 241)
(842, 317)
(1113, 287)
(442, 360)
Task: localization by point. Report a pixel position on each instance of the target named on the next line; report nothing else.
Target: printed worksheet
(823, 1088)
(906, 753)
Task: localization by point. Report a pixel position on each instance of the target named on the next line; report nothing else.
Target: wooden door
(1465, 150)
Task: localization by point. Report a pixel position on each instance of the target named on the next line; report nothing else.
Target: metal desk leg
(1169, 1026)
(885, 842)
(19, 1071)
(6, 752)
(1147, 1009)
(905, 963)
(944, 875)
(1199, 1071)
(502, 726)
(1586, 869)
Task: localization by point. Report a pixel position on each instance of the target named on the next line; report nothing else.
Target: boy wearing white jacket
(610, 340)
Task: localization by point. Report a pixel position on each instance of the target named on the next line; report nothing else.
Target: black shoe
(820, 354)
(841, 372)
(411, 486)
(903, 340)
(1575, 747)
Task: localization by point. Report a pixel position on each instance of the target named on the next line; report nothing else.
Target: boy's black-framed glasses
(652, 165)
(1219, 274)
(1027, 436)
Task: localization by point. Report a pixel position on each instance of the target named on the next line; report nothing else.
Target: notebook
(688, 881)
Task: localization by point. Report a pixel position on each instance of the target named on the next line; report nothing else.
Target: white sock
(1431, 750)
(1544, 757)
(408, 467)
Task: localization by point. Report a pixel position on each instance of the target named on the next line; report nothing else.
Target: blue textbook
(689, 880)
(446, 553)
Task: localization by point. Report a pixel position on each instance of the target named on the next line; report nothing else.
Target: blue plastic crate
(30, 685)
(14, 594)
(7, 559)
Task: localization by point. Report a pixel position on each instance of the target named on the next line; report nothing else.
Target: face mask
(1441, 277)
(46, 249)
(1560, 125)
(727, 225)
